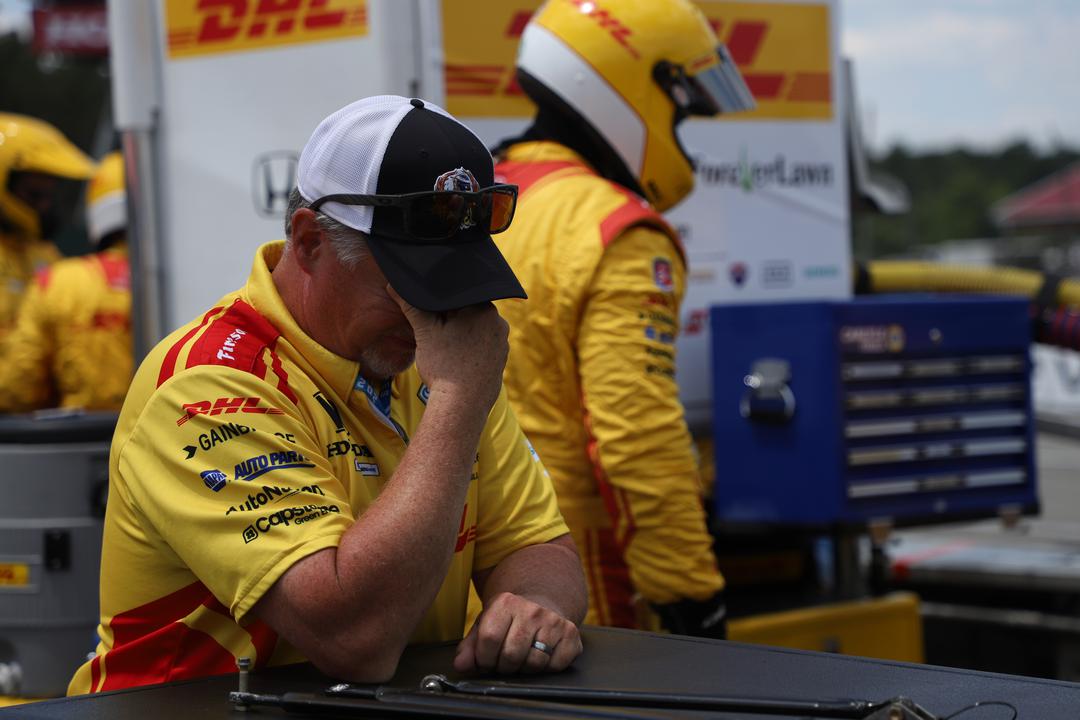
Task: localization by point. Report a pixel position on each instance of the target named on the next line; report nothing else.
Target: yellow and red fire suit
(591, 376)
(71, 344)
(20, 260)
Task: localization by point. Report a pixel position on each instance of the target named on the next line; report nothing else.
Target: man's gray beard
(375, 363)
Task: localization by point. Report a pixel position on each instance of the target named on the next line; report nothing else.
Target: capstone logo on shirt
(271, 493)
(261, 464)
(225, 405)
(285, 517)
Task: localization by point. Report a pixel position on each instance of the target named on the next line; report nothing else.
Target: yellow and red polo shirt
(243, 447)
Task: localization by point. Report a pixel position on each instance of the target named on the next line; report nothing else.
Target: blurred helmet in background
(29, 145)
(106, 199)
(632, 70)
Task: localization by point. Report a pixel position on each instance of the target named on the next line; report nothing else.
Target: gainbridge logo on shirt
(782, 49)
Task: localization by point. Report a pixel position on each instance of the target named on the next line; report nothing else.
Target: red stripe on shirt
(283, 377)
(238, 339)
(95, 673)
(168, 366)
(151, 643)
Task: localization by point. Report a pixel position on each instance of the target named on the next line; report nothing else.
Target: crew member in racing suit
(34, 157)
(591, 373)
(71, 345)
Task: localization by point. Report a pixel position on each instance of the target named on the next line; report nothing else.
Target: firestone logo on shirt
(225, 405)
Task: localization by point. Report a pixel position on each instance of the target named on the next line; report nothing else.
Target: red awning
(1051, 202)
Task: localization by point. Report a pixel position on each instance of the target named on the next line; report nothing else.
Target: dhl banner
(209, 27)
(782, 49)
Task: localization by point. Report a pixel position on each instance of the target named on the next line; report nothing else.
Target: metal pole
(134, 58)
(144, 242)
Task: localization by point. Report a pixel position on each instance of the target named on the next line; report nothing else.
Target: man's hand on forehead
(460, 351)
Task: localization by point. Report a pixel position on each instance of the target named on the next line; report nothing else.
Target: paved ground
(1058, 460)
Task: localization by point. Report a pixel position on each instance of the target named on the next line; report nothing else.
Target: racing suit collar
(541, 151)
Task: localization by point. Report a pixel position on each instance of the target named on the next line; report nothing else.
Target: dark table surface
(628, 660)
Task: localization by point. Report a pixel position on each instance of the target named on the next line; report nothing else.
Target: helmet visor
(722, 87)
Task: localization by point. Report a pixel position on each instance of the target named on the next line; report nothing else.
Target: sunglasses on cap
(441, 214)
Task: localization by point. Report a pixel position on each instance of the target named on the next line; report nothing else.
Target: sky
(936, 73)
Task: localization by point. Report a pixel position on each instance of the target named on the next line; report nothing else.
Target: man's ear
(308, 238)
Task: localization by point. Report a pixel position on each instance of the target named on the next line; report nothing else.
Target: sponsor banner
(782, 49)
(76, 30)
(210, 27)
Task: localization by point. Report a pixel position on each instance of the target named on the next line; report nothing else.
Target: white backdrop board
(241, 84)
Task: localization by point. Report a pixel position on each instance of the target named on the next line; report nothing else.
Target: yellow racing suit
(20, 261)
(591, 376)
(71, 344)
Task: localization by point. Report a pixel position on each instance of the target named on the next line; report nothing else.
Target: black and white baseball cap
(392, 145)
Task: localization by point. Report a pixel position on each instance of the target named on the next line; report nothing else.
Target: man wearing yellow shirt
(319, 465)
(592, 368)
(34, 158)
(71, 344)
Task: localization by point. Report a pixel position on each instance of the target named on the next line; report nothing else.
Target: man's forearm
(352, 610)
(549, 574)
(398, 552)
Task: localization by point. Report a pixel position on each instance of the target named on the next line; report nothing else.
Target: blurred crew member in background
(71, 344)
(34, 158)
(591, 372)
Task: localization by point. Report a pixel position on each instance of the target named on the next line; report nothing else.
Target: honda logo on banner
(272, 179)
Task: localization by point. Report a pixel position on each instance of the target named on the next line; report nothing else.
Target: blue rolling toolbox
(905, 409)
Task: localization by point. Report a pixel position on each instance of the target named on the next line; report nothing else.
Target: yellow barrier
(888, 628)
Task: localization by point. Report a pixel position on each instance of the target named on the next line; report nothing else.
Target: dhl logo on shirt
(782, 49)
(465, 534)
(225, 405)
(210, 27)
